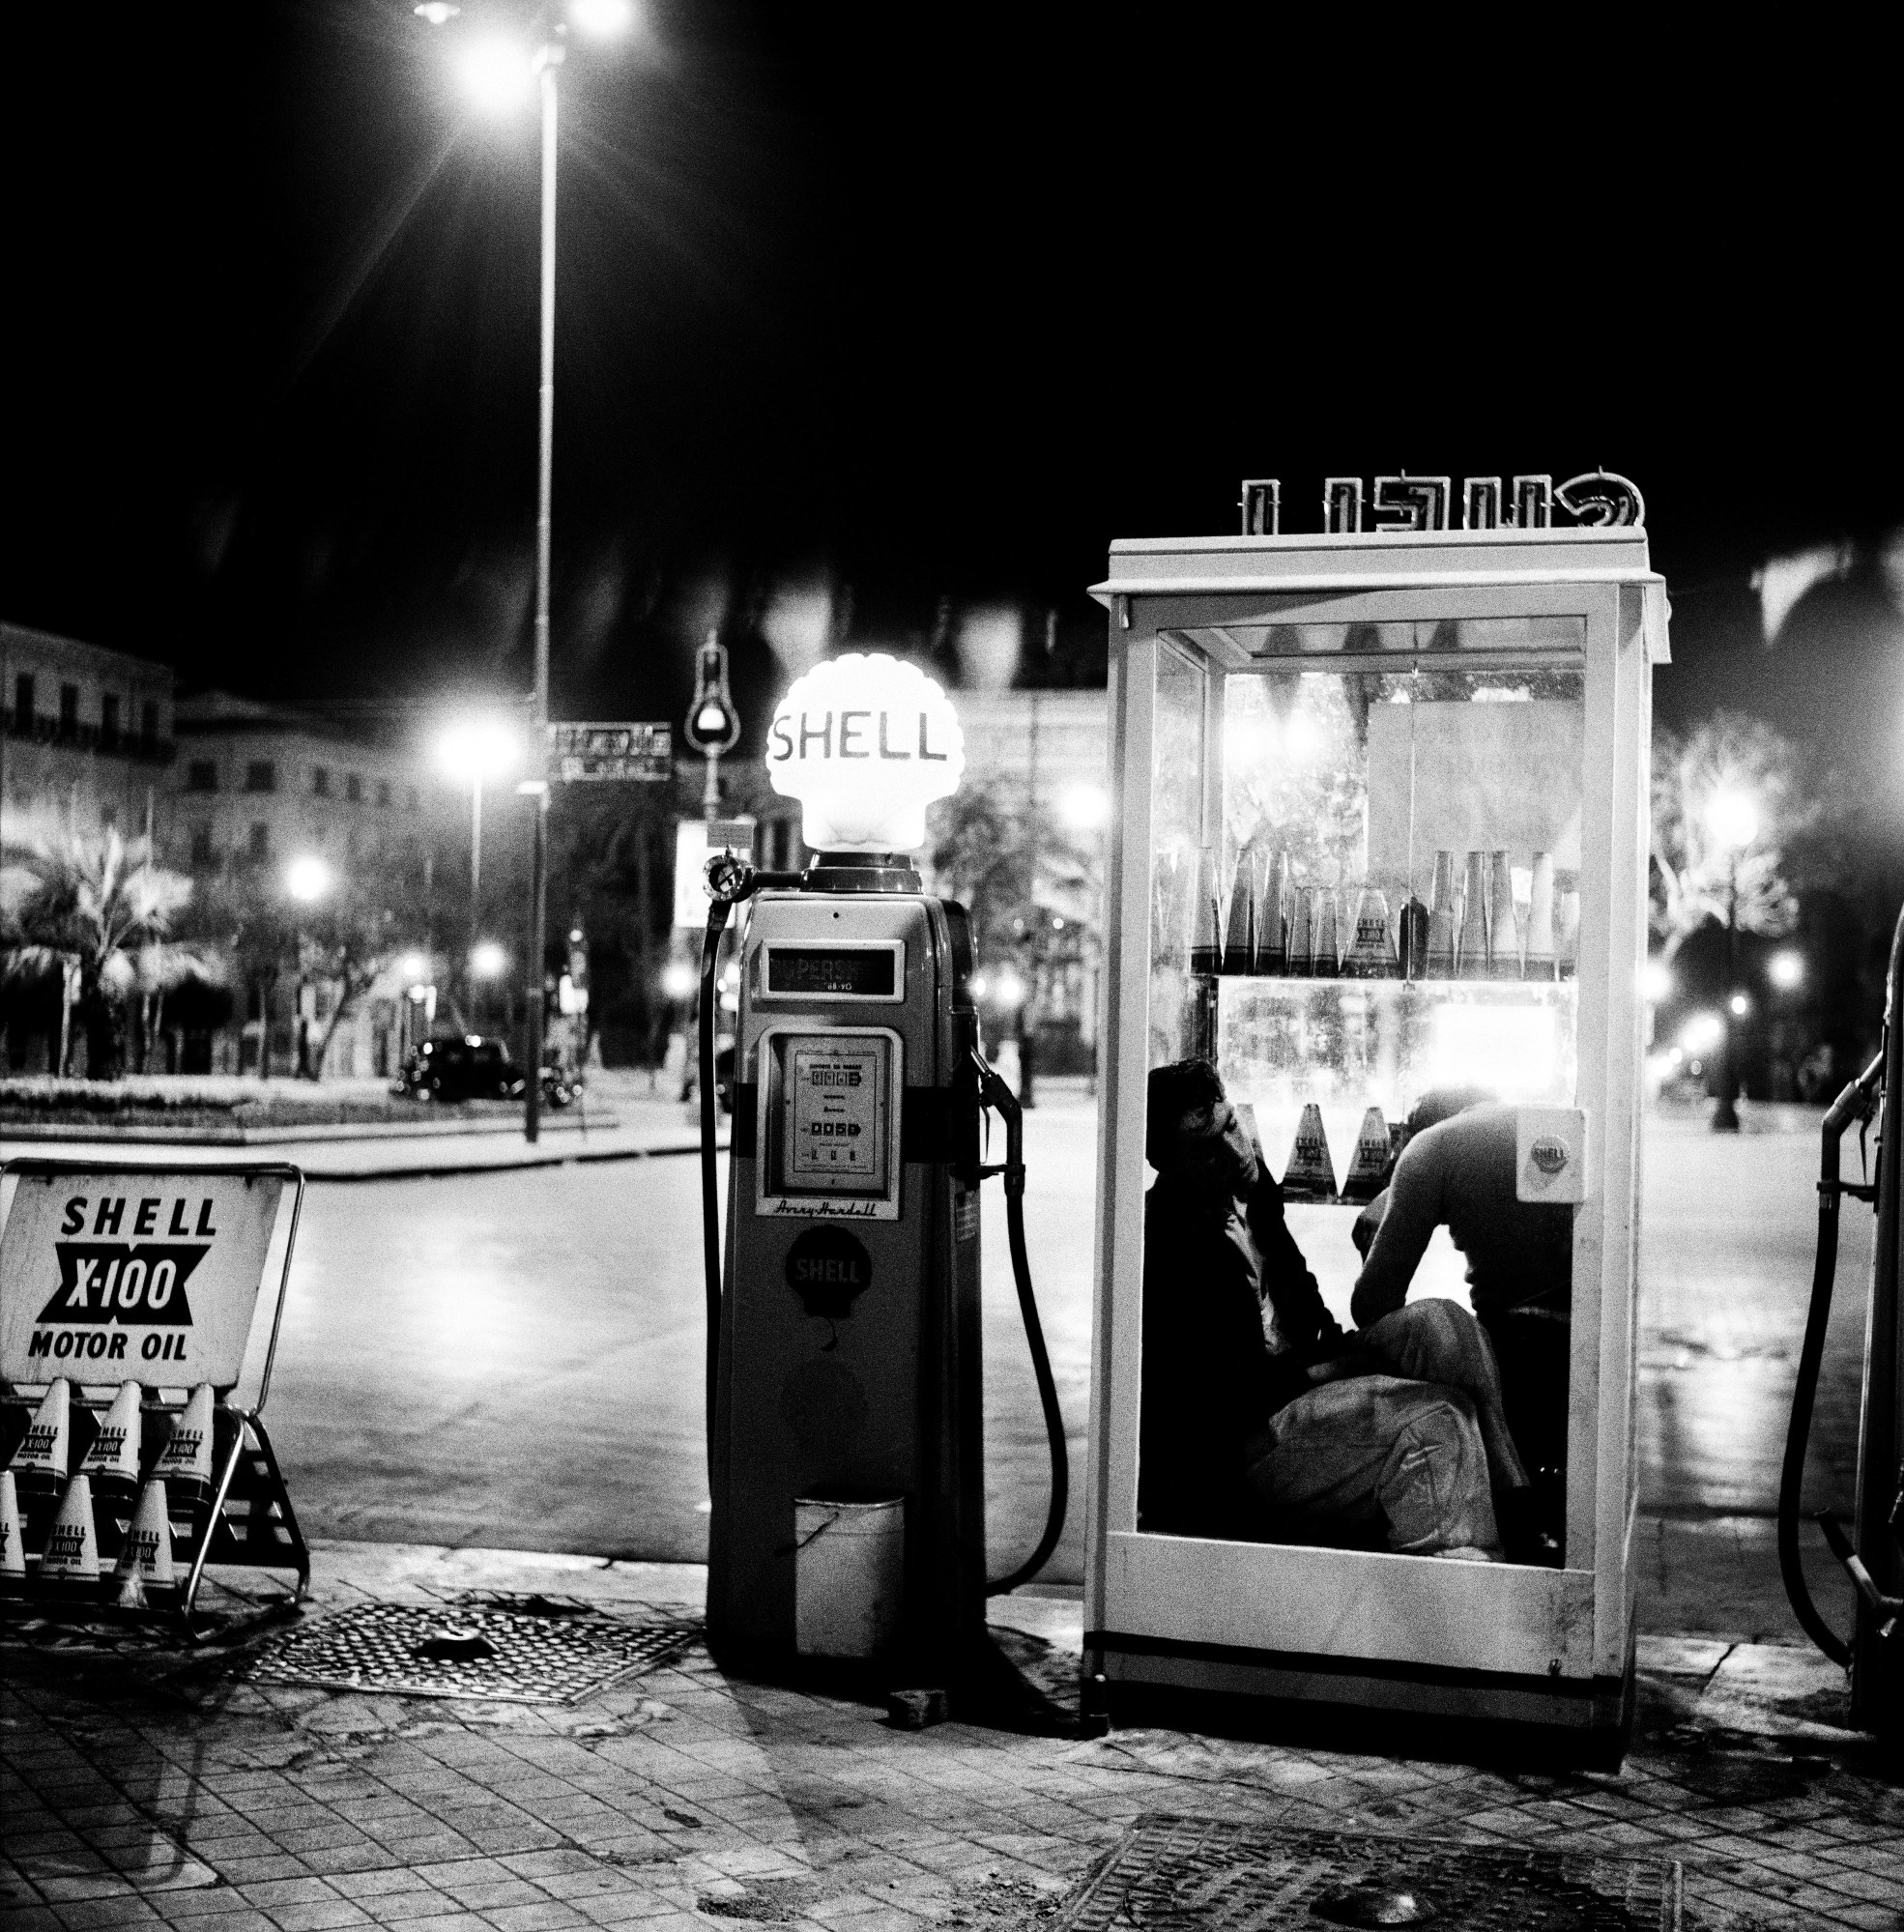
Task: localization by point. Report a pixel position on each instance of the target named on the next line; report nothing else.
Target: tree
(350, 938)
(86, 906)
(1017, 872)
(1693, 868)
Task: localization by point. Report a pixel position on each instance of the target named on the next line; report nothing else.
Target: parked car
(459, 1066)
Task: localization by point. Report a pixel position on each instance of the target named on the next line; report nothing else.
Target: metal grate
(1173, 1874)
(469, 1649)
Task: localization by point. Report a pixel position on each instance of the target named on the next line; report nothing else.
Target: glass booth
(1380, 853)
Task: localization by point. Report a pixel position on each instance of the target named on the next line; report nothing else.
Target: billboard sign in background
(115, 1276)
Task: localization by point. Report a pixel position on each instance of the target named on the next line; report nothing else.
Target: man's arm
(1402, 1237)
(1301, 1313)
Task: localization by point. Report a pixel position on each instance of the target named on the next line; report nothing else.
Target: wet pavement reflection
(514, 1359)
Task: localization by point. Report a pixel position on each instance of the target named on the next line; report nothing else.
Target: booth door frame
(1148, 1587)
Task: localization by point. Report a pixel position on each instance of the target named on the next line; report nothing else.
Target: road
(514, 1359)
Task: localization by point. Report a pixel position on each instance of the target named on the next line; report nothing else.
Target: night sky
(923, 305)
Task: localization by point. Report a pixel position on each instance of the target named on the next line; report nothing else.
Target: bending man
(1457, 1168)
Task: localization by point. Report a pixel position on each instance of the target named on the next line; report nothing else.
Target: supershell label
(147, 1277)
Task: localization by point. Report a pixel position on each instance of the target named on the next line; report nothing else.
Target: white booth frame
(1546, 1646)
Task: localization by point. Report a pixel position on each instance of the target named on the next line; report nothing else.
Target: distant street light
(1084, 807)
(308, 880)
(678, 980)
(1785, 970)
(600, 17)
(1732, 818)
(1656, 981)
(488, 959)
(475, 751)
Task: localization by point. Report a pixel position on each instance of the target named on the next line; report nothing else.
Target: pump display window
(1365, 916)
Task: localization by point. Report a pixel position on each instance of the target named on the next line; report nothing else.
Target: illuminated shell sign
(865, 743)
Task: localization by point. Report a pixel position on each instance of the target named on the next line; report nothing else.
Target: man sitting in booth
(1456, 1169)
(1259, 1419)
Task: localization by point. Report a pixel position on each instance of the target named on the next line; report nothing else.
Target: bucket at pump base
(849, 1575)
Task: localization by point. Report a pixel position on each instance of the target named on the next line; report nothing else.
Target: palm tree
(86, 906)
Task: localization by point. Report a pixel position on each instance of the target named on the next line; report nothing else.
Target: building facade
(85, 737)
(259, 788)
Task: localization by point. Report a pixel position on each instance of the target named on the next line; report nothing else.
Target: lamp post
(306, 880)
(494, 70)
(1733, 820)
(472, 751)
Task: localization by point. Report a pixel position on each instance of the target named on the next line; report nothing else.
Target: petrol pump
(1380, 830)
(843, 1391)
(1872, 1554)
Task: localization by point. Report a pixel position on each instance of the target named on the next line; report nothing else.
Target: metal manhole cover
(1179, 1873)
(465, 1650)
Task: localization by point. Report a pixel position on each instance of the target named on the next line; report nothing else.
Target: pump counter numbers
(831, 1104)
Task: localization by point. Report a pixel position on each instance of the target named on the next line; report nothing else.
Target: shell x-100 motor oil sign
(132, 1277)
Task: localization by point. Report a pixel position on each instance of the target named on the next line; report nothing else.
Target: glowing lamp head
(1701, 1033)
(1739, 1006)
(412, 968)
(1656, 981)
(678, 979)
(308, 880)
(1732, 816)
(498, 74)
(480, 749)
(488, 959)
(865, 743)
(604, 20)
(1084, 807)
(1785, 970)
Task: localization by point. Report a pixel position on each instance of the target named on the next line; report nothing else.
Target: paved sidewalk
(145, 1784)
(644, 1128)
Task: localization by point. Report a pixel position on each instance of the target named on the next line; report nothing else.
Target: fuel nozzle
(993, 1092)
(731, 879)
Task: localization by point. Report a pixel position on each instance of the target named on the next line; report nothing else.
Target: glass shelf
(1344, 1046)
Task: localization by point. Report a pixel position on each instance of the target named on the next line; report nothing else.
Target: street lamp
(600, 17)
(472, 751)
(1732, 818)
(307, 878)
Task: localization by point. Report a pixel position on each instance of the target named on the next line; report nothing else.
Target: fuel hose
(710, 1193)
(995, 1093)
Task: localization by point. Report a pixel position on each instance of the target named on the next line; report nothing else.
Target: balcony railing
(39, 728)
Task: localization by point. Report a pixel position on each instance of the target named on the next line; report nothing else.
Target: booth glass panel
(1178, 815)
(1365, 893)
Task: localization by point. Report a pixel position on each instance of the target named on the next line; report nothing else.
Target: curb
(451, 1169)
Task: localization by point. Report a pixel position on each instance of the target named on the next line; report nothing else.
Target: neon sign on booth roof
(1596, 498)
(865, 743)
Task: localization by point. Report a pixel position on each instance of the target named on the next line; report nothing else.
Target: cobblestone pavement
(146, 1784)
